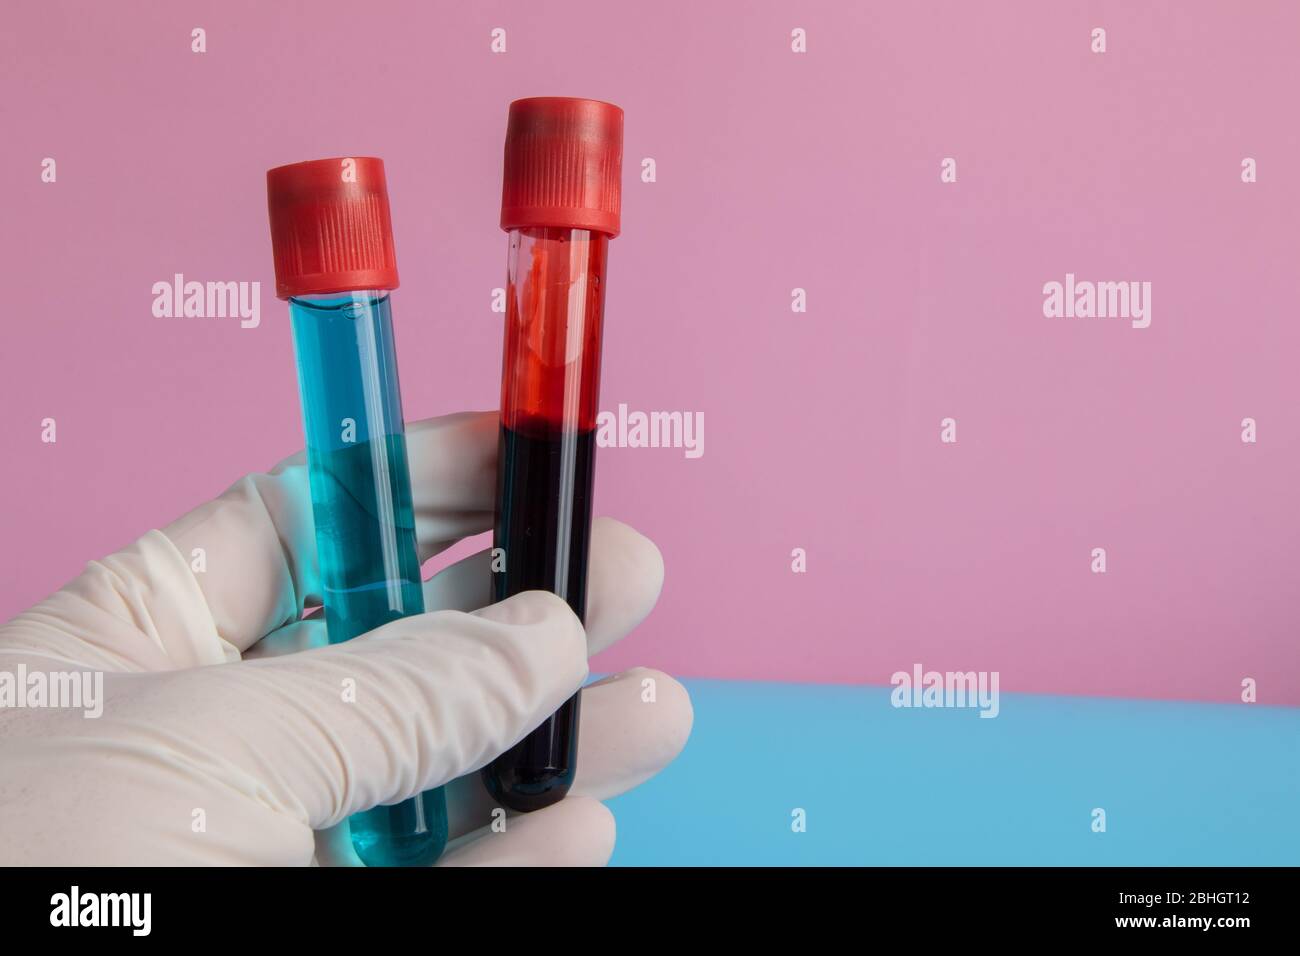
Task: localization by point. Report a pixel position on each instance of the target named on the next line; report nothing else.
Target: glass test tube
(561, 207)
(332, 238)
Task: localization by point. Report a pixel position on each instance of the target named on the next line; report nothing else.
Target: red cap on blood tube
(564, 160)
(330, 226)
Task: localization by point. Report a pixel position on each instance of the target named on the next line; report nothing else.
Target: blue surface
(1181, 783)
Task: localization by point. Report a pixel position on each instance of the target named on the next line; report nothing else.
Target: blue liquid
(365, 523)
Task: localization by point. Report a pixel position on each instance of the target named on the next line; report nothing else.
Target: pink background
(775, 170)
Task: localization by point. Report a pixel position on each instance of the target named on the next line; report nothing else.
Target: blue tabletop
(1180, 783)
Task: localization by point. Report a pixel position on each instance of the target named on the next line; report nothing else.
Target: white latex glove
(200, 757)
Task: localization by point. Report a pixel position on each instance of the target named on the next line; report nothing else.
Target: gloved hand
(226, 736)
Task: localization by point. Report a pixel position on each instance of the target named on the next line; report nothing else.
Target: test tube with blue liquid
(332, 238)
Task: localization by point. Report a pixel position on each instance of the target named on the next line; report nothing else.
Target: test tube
(332, 237)
(560, 206)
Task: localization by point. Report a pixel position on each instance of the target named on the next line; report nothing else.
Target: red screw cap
(564, 164)
(330, 226)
